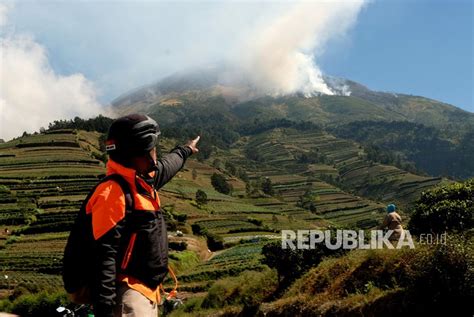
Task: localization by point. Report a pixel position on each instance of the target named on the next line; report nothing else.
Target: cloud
(31, 93)
(272, 46)
(267, 47)
(4, 7)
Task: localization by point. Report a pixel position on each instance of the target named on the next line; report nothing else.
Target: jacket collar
(129, 174)
(115, 168)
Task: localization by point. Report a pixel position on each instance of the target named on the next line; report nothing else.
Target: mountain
(361, 102)
(435, 130)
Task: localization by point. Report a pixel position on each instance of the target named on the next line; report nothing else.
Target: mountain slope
(197, 102)
(45, 177)
(358, 99)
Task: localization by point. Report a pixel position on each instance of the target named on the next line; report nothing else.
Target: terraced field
(339, 162)
(44, 178)
(349, 190)
(230, 262)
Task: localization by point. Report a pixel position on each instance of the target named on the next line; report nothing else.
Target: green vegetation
(289, 263)
(407, 145)
(99, 124)
(220, 184)
(201, 197)
(445, 208)
(433, 280)
(43, 303)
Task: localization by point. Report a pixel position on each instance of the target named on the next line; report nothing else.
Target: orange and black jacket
(131, 245)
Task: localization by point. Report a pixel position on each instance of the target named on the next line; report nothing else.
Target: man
(132, 246)
(393, 221)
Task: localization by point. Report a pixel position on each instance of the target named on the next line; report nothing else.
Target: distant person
(131, 260)
(393, 221)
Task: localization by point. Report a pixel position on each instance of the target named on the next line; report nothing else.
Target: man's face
(142, 164)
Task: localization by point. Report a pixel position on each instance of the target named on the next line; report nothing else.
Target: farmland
(45, 177)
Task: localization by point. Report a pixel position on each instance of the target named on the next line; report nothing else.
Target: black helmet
(132, 135)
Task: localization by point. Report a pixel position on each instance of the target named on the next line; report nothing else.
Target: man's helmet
(130, 136)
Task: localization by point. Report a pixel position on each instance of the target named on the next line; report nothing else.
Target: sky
(67, 58)
(411, 46)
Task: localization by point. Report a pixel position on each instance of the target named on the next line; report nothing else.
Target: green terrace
(230, 262)
(43, 183)
(338, 162)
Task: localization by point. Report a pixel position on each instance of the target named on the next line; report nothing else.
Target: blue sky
(416, 47)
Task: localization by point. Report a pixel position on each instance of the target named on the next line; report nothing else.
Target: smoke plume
(280, 57)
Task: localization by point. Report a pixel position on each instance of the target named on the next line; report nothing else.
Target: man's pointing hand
(192, 144)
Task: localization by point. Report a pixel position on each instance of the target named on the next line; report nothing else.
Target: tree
(220, 184)
(201, 197)
(230, 168)
(243, 175)
(267, 187)
(205, 150)
(308, 200)
(216, 163)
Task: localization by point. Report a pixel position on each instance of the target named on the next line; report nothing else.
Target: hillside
(44, 178)
(197, 101)
(357, 100)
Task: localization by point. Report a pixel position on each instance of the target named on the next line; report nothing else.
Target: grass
(370, 282)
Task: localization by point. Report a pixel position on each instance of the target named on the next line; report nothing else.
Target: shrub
(197, 229)
(445, 208)
(290, 263)
(40, 304)
(249, 289)
(178, 246)
(201, 197)
(180, 217)
(267, 187)
(220, 184)
(214, 241)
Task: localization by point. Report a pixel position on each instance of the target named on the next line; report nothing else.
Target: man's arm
(170, 164)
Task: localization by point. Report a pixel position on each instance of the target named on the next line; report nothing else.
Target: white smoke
(31, 93)
(280, 57)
